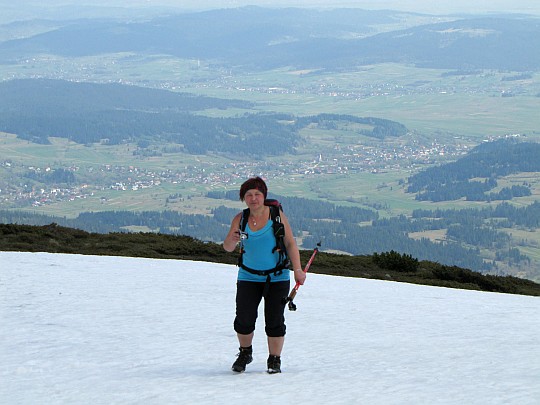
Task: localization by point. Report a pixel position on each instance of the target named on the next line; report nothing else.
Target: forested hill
(35, 95)
(88, 113)
(485, 164)
(339, 39)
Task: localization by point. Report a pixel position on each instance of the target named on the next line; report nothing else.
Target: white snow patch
(101, 330)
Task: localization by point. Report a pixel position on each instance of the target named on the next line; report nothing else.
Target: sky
(101, 330)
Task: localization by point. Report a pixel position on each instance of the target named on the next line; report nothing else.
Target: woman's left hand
(299, 276)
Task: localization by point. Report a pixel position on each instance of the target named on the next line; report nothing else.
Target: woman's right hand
(233, 237)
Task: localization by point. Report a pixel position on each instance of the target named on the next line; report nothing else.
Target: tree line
(88, 113)
(504, 215)
(340, 228)
(381, 128)
(336, 235)
(487, 161)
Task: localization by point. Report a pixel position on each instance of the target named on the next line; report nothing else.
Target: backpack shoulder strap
(243, 223)
(279, 232)
(244, 219)
(275, 213)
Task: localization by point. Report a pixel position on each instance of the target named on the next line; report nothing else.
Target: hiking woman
(261, 273)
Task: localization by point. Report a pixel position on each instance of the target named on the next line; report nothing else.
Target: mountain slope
(268, 38)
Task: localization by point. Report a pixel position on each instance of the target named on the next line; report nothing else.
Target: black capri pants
(248, 298)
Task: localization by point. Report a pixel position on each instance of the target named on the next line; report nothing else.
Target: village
(95, 180)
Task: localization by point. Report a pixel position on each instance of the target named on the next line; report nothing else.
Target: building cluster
(108, 178)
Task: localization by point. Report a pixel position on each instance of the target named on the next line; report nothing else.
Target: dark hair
(254, 183)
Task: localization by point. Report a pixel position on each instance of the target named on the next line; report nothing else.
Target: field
(426, 102)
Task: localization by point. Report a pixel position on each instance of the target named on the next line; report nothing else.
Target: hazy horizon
(32, 9)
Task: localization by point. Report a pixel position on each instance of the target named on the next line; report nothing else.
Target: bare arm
(233, 237)
(292, 251)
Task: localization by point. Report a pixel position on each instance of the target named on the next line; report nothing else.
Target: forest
(487, 161)
(88, 113)
(340, 228)
(381, 128)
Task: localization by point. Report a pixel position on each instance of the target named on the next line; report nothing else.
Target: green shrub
(394, 261)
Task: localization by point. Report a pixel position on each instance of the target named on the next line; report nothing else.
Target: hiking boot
(274, 364)
(245, 356)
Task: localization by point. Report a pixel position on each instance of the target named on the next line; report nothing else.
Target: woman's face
(254, 198)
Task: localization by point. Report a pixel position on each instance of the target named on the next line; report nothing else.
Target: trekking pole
(290, 298)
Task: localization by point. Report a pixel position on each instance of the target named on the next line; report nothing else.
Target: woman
(258, 276)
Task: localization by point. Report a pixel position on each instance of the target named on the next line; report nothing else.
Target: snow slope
(102, 330)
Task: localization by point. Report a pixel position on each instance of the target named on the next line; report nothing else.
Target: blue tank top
(258, 255)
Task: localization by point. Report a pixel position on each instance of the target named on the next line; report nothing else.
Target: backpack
(279, 234)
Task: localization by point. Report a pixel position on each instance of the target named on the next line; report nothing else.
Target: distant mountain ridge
(259, 38)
